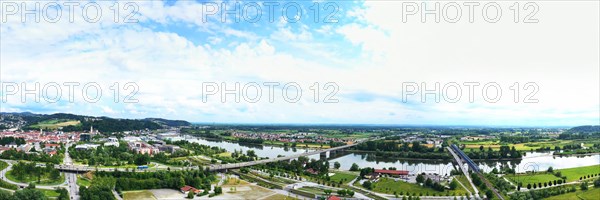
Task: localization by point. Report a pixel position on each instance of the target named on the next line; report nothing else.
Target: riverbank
(427, 159)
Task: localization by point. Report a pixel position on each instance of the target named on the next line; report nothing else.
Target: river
(531, 161)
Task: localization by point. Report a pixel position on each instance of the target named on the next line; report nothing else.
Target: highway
(461, 155)
(70, 176)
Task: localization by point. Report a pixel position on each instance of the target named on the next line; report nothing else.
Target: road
(23, 185)
(71, 177)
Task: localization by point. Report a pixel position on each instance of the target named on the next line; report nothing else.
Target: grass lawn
(389, 186)
(462, 179)
(81, 181)
(279, 197)
(138, 195)
(3, 165)
(49, 193)
(43, 181)
(590, 194)
(344, 177)
(572, 174)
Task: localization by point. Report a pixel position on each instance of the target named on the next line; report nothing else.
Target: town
(350, 162)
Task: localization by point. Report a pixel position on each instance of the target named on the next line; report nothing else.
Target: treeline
(9, 140)
(503, 152)
(108, 156)
(106, 124)
(514, 139)
(168, 122)
(100, 189)
(125, 181)
(543, 193)
(205, 133)
(387, 145)
(300, 166)
(198, 149)
(20, 155)
(251, 140)
(387, 148)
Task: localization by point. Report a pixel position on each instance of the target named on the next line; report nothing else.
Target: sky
(310, 62)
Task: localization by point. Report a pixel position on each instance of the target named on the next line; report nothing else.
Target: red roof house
(392, 172)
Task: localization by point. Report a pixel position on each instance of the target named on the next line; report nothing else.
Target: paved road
(71, 177)
(10, 164)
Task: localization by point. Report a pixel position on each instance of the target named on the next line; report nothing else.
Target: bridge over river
(218, 167)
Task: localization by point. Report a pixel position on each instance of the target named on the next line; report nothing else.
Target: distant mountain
(584, 129)
(168, 122)
(103, 124)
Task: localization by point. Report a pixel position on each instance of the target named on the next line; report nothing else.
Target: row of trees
(13, 154)
(430, 183)
(23, 171)
(161, 179)
(9, 140)
(542, 193)
(503, 152)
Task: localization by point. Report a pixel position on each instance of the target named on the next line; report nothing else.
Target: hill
(71, 122)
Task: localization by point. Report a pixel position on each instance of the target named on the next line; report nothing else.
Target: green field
(522, 146)
(55, 124)
(344, 177)
(590, 194)
(81, 181)
(49, 193)
(389, 186)
(138, 195)
(279, 197)
(572, 174)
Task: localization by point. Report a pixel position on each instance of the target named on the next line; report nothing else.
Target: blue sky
(361, 57)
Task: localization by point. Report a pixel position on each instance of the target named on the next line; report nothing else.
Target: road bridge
(219, 167)
(459, 155)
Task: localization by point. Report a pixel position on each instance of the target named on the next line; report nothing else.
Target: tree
(420, 178)
(367, 184)
(327, 191)
(54, 174)
(354, 167)
(550, 170)
(428, 182)
(29, 194)
(584, 185)
(453, 184)
(31, 186)
(336, 165)
(63, 194)
(489, 194)
(350, 193)
(529, 186)
(341, 192)
(190, 195)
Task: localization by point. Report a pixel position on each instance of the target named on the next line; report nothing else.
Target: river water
(531, 161)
